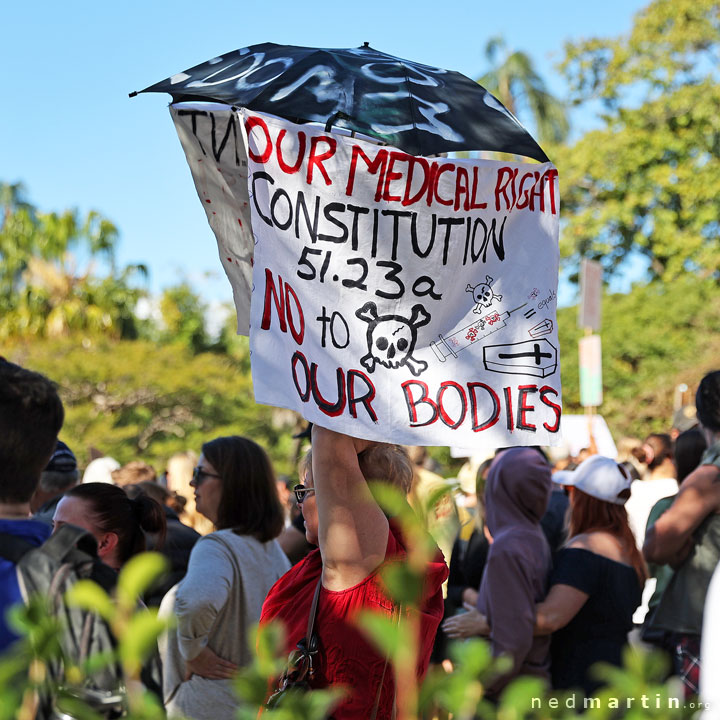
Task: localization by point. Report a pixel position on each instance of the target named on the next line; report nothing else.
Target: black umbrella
(421, 109)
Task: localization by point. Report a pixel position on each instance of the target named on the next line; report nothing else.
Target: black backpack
(50, 570)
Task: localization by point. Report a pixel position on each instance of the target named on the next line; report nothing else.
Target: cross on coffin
(532, 357)
(535, 353)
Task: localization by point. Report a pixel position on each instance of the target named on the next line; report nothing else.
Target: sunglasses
(301, 492)
(199, 475)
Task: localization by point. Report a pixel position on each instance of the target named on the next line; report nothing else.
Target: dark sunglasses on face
(301, 492)
(199, 475)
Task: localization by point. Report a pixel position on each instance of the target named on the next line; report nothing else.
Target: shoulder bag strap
(310, 640)
(308, 645)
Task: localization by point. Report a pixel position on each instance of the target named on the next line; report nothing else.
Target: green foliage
(183, 315)
(136, 577)
(252, 683)
(653, 338)
(515, 82)
(138, 639)
(41, 290)
(647, 182)
(24, 668)
(135, 399)
(518, 698)
(88, 595)
(136, 629)
(460, 692)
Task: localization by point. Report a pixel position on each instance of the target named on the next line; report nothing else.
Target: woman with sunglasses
(354, 538)
(229, 574)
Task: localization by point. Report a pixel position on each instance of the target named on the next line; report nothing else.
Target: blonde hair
(381, 462)
(133, 472)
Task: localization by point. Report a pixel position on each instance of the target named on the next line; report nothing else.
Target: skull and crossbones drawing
(483, 295)
(391, 338)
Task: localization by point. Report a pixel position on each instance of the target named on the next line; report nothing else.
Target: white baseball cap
(100, 469)
(598, 476)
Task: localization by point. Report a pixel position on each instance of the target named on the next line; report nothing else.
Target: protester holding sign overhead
(355, 540)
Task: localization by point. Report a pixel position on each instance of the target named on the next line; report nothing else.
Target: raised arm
(669, 540)
(352, 529)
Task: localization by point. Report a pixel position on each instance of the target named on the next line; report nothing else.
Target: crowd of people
(560, 565)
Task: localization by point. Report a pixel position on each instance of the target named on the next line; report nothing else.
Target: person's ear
(107, 544)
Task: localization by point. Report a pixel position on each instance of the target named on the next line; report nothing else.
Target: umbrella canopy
(420, 109)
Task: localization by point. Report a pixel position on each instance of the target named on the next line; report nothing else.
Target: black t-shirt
(599, 631)
(467, 563)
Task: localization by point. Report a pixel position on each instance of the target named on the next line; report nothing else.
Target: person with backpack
(31, 415)
(33, 563)
(117, 522)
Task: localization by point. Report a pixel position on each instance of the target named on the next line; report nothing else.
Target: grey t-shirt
(216, 605)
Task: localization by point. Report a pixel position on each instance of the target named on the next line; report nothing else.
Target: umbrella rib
(410, 100)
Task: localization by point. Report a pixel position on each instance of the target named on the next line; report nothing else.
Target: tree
(515, 82)
(183, 316)
(42, 292)
(647, 182)
(135, 399)
(653, 338)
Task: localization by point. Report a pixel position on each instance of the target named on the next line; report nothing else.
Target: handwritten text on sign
(216, 155)
(403, 298)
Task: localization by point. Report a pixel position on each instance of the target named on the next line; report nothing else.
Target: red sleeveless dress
(346, 657)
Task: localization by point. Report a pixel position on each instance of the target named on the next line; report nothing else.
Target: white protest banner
(400, 298)
(212, 140)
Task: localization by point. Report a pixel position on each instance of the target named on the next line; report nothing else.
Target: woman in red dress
(355, 539)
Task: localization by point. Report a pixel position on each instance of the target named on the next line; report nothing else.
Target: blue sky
(70, 133)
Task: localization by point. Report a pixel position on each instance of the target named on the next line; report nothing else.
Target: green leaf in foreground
(138, 574)
(88, 595)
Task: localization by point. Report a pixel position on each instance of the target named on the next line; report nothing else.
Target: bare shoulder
(601, 543)
(580, 542)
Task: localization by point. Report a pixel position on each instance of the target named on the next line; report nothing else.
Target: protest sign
(403, 298)
(211, 138)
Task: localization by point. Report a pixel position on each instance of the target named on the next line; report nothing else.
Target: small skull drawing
(391, 338)
(483, 295)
